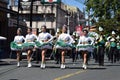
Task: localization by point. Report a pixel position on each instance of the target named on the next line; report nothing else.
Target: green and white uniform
(17, 43)
(29, 41)
(44, 41)
(64, 41)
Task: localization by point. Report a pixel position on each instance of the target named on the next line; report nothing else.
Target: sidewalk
(7, 61)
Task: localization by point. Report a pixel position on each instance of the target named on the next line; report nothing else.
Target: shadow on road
(97, 68)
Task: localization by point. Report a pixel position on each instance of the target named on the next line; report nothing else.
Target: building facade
(51, 15)
(8, 27)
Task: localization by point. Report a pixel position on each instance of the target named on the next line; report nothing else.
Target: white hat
(58, 30)
(118, 37)
(100, 28)
(113, 32)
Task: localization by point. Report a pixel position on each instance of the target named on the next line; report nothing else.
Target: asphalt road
(73, 71)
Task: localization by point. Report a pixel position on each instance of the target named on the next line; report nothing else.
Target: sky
(77, 3)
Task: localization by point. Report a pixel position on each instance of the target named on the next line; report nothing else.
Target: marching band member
(100, 47)
(57, 55)
(83, 45)
(17, 44)
(44, 38)
(29, 44)
(63, 43)
(118, 48)
(113, 47)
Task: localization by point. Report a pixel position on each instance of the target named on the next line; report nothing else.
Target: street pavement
(73, 71)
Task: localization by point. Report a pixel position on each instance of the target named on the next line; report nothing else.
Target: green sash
(101, 43)
(113, 44)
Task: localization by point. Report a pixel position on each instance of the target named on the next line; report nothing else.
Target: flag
(51, 1)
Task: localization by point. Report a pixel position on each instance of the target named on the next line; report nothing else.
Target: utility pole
(68, 24)
(31, 13)
(68, 21)
(18, 13)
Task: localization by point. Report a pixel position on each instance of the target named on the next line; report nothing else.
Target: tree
(107, 13)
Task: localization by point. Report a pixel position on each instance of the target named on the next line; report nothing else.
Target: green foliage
(107, 13)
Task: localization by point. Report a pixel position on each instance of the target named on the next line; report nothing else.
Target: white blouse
(66, 37)
(44, 36)
(19, 39)
(85, 40)
(30, 38)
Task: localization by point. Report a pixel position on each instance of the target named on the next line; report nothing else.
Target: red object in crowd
(50, 0)
(79, 30)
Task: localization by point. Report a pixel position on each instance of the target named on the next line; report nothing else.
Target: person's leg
(111, 54)
(43, 58)
(57, 55)
(73, 55)
(115, 55)
(95, 55)
(84, 59)
(62, 59)
(102, 56)
(29, 58)
(18, 58)
(119, 55)
(37, 56)
(28, 55)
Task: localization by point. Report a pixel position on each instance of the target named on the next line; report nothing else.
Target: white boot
(29, 64)
(84, 66)
(42, 65)
(62, 66)
(18, 64)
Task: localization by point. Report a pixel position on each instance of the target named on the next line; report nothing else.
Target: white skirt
(85, 47)
(28, 45)
(41, 45)
(60, 47)
(15, 47)
(45, 47)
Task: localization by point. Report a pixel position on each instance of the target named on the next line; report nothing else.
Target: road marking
(70, 75)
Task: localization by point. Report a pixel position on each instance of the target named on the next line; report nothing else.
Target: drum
(15, 47)
(43, 45)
